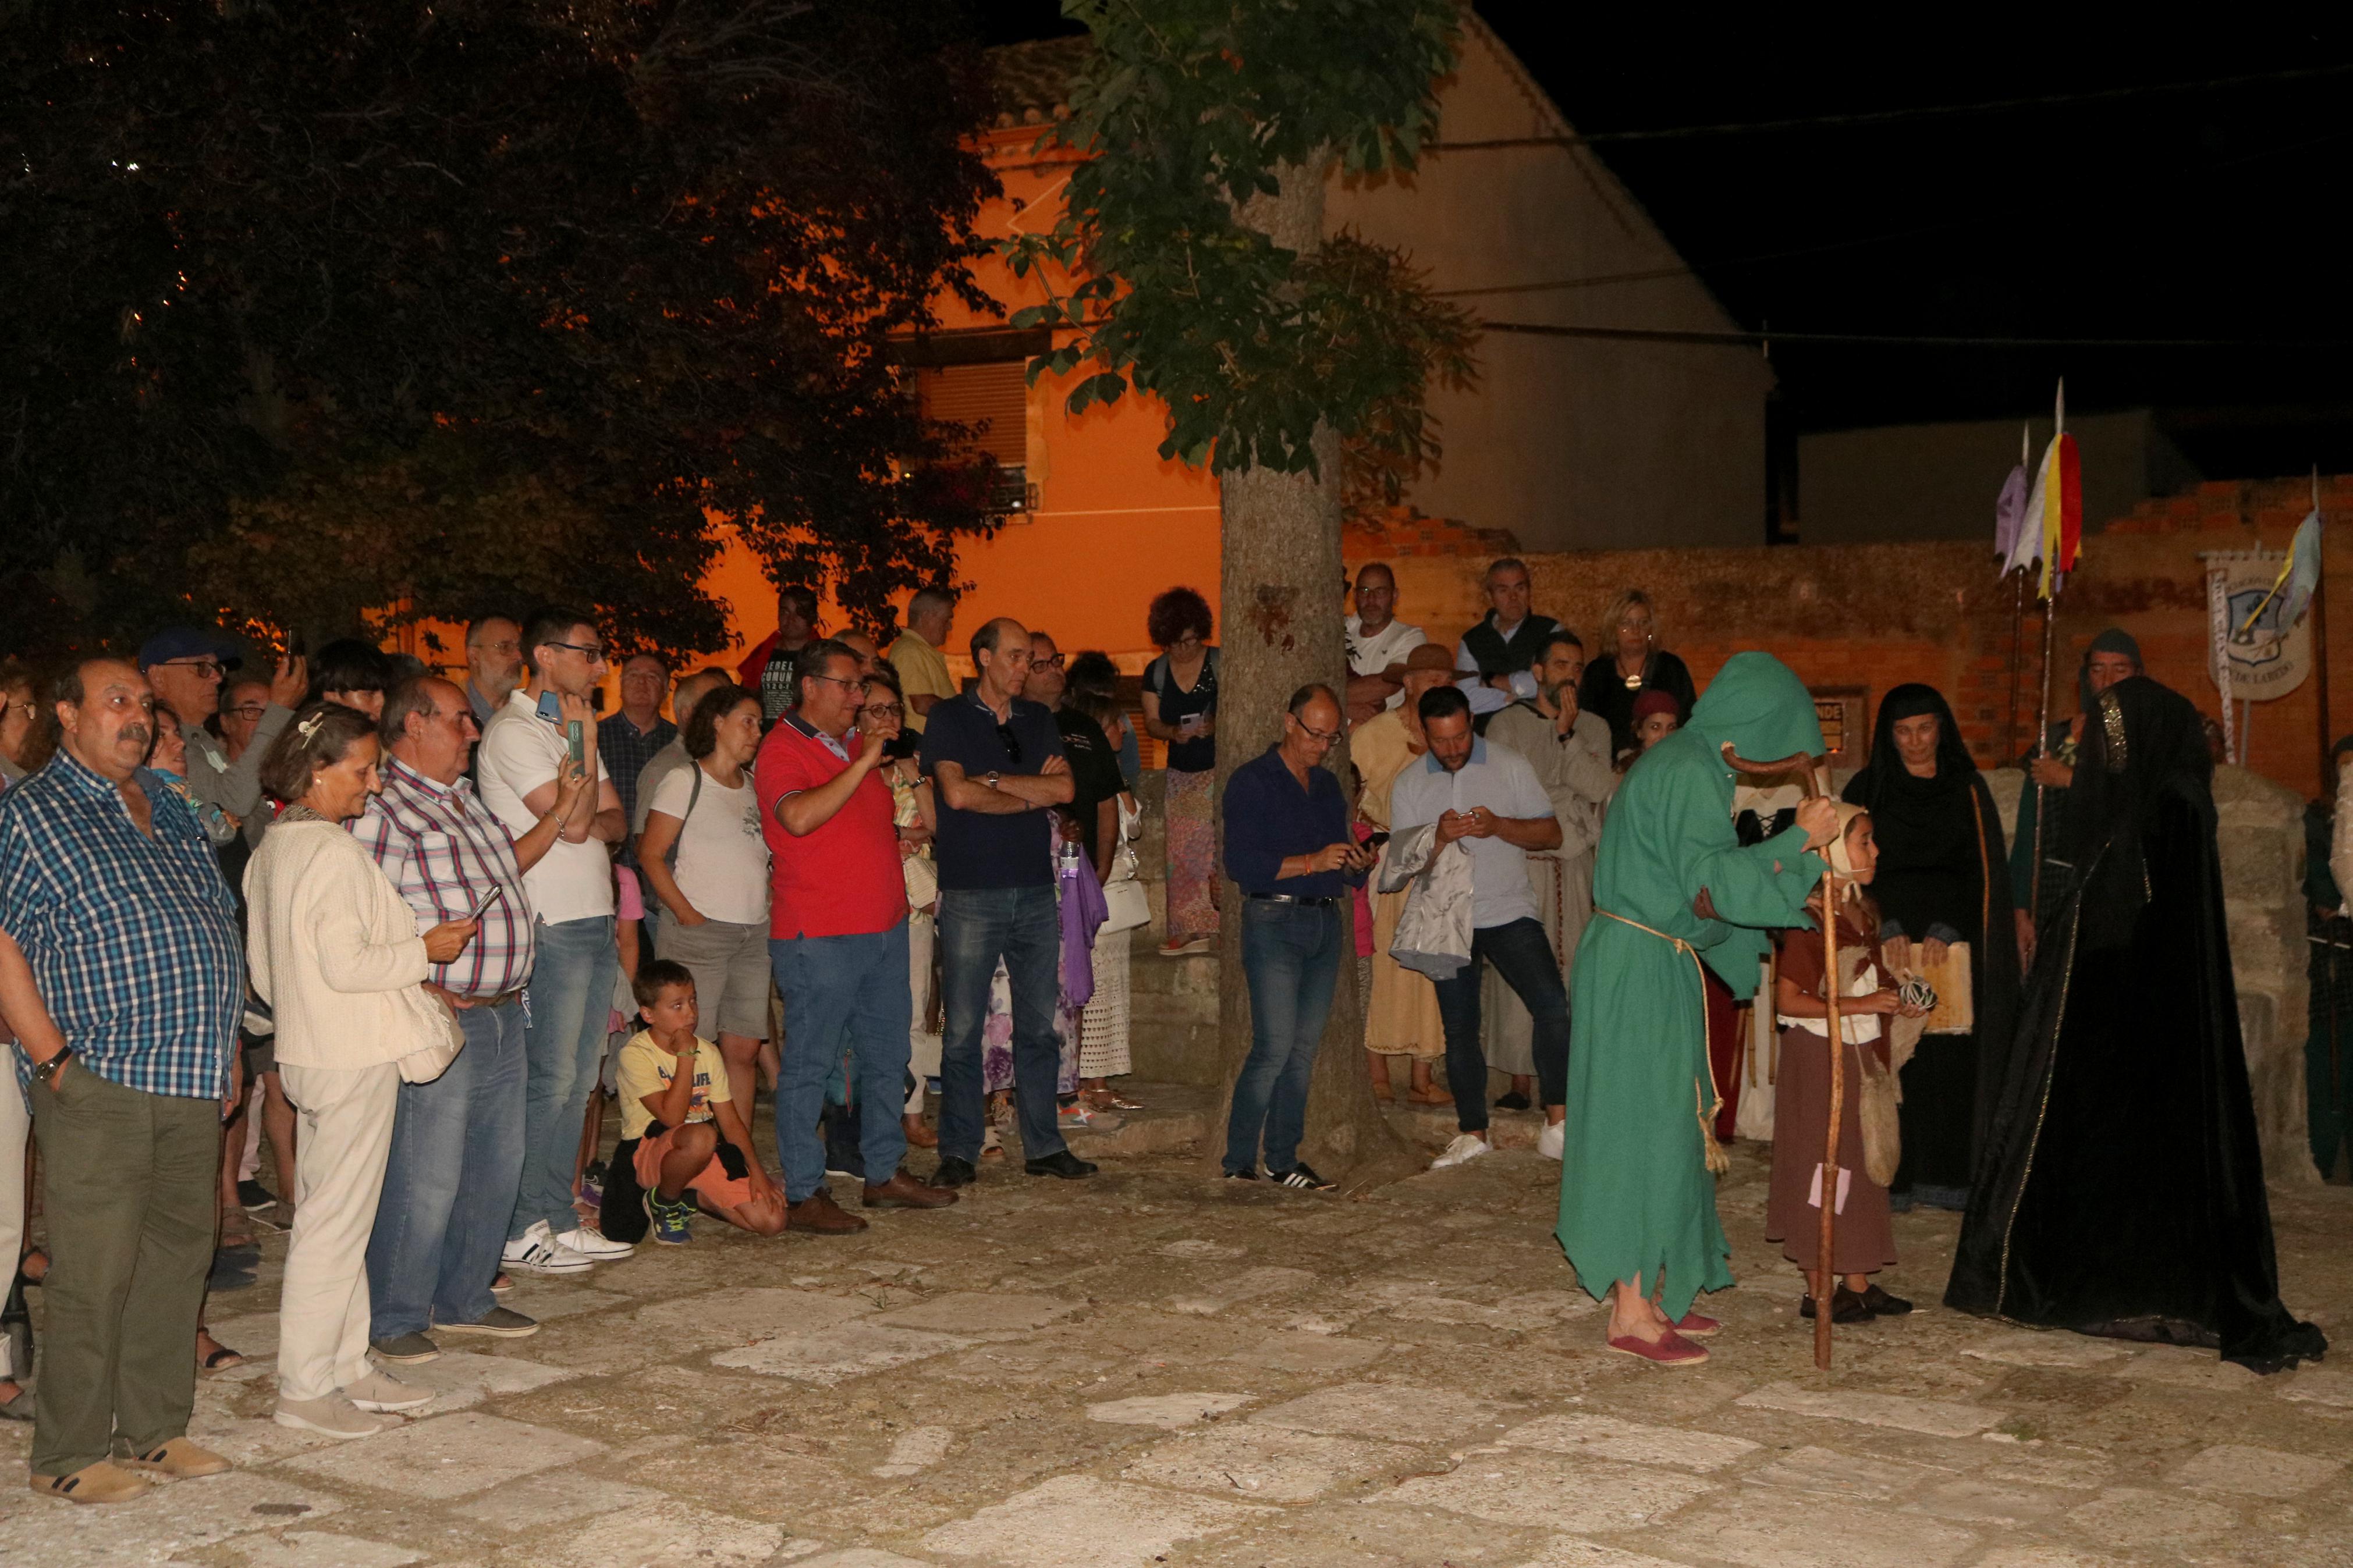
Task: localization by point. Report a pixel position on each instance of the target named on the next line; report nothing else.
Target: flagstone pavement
(1154, 1367)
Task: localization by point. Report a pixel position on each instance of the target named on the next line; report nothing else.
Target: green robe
(1635, 1192)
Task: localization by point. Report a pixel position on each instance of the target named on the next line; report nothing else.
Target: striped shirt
(133, 938)
(446, 853)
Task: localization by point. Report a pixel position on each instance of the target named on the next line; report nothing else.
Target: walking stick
(1825, 1275)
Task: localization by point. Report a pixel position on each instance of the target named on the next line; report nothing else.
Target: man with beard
(125, 1009)
(1569, 750)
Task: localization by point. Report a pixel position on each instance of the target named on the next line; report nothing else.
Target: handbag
(439, 1035)
(1130, 908)
(1877, 1094)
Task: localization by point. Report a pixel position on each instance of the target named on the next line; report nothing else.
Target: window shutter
(992, 398)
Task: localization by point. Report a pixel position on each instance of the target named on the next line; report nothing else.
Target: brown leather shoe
(819, 1214)
(102, 1482)
(904, 1192)
(176, 1458)
(918, 1135)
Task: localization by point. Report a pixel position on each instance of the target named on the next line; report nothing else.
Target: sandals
(221, 1358)
(1428, 1095)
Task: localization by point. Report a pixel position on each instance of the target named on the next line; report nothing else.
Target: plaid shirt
(625, 751)
(132, 939)
(445, 851)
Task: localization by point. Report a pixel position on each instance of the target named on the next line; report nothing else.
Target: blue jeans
(1291, 954)
(977, 926)
(449, 1183)
(842, 993)
(567, 1005)
(1521, 955)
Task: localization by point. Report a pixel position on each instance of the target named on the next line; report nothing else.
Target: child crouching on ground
(691, 1142)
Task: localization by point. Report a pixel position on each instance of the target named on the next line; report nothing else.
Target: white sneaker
(538, 1252)
(381, 1392)
(333, 1415)
(1550, 1141)
(595, 1246)
(1466, 1147)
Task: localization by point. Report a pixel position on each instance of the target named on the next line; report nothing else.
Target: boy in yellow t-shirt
(676, 1104)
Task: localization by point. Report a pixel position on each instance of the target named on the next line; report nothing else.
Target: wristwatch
(44, 1071)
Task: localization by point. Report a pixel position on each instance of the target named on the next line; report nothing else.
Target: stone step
(1173, 1119)
(1172, 1047)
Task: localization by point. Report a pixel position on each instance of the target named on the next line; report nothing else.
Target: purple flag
(2009, 512)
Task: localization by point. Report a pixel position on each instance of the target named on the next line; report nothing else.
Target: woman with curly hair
(1180, 707)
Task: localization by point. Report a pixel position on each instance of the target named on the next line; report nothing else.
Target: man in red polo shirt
(837, 939)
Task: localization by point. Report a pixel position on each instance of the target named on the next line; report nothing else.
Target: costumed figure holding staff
(2113, 656)
(1673, 888)
(1869, 1002)
(1944, 880)
(2128, 1040)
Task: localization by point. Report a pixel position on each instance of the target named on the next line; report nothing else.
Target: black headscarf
(2113, 641)
(1885, 778)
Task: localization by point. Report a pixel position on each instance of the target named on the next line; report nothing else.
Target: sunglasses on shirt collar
(1012, 743)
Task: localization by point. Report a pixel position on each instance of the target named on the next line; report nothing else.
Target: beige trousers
(14, 1122)
(923, 1045)
(345, 1137)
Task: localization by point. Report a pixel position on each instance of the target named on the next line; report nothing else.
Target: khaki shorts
(732, 979)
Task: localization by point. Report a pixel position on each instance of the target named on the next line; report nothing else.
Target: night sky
(2183, 204)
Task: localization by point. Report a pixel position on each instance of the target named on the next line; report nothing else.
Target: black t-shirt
(1176, 705)
(976, 851)
(1094, 771)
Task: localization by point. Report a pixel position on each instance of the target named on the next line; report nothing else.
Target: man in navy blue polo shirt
(1289, 849)
(997, 765)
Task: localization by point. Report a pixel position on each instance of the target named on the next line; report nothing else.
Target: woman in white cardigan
(333, 949)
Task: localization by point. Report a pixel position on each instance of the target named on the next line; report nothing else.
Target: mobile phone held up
(576, 743)
(551, 707)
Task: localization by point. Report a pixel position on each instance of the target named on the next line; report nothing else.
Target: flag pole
(2017, 617)
(2042, 749)
(2321, 634)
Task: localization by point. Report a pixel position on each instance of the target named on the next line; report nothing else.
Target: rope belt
(1710, 1151)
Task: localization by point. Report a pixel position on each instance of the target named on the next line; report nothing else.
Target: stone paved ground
(1157, 1368)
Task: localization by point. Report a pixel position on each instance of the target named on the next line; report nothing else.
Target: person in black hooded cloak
(2120, 1191)
(1944, 876)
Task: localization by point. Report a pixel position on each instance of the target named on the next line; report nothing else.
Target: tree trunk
(1282, 584)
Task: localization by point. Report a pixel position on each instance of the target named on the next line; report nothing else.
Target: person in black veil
(1944, 877)
(2121, 1190)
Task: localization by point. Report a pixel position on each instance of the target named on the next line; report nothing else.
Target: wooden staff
(1825, 1275)
(2042, 749)
(2320, 640)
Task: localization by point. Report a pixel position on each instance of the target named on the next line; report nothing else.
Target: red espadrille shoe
(1669, 1348)
(1697, 1327)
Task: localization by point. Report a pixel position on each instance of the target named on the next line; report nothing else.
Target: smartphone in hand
(551, 707)
(575, 742)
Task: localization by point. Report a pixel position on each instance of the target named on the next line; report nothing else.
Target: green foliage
(1189, 113)
(440, 305)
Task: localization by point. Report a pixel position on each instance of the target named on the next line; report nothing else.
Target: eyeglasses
(247, 710)
(1011, 742)
(593, 652)
(858, 685)
(1051, 661)
(203, 669)
(884, 710)
(1328, 736)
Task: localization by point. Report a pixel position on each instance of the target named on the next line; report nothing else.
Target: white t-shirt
(1372, 655)
(519, 752)
(723, 860)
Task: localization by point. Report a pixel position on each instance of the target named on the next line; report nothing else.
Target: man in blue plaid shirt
(126, 1014)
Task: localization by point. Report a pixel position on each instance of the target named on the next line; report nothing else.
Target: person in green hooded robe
(1673, 885)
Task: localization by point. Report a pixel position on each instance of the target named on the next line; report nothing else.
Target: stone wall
(1864, 617)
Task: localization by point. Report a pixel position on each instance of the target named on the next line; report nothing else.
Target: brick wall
(1875, 616)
